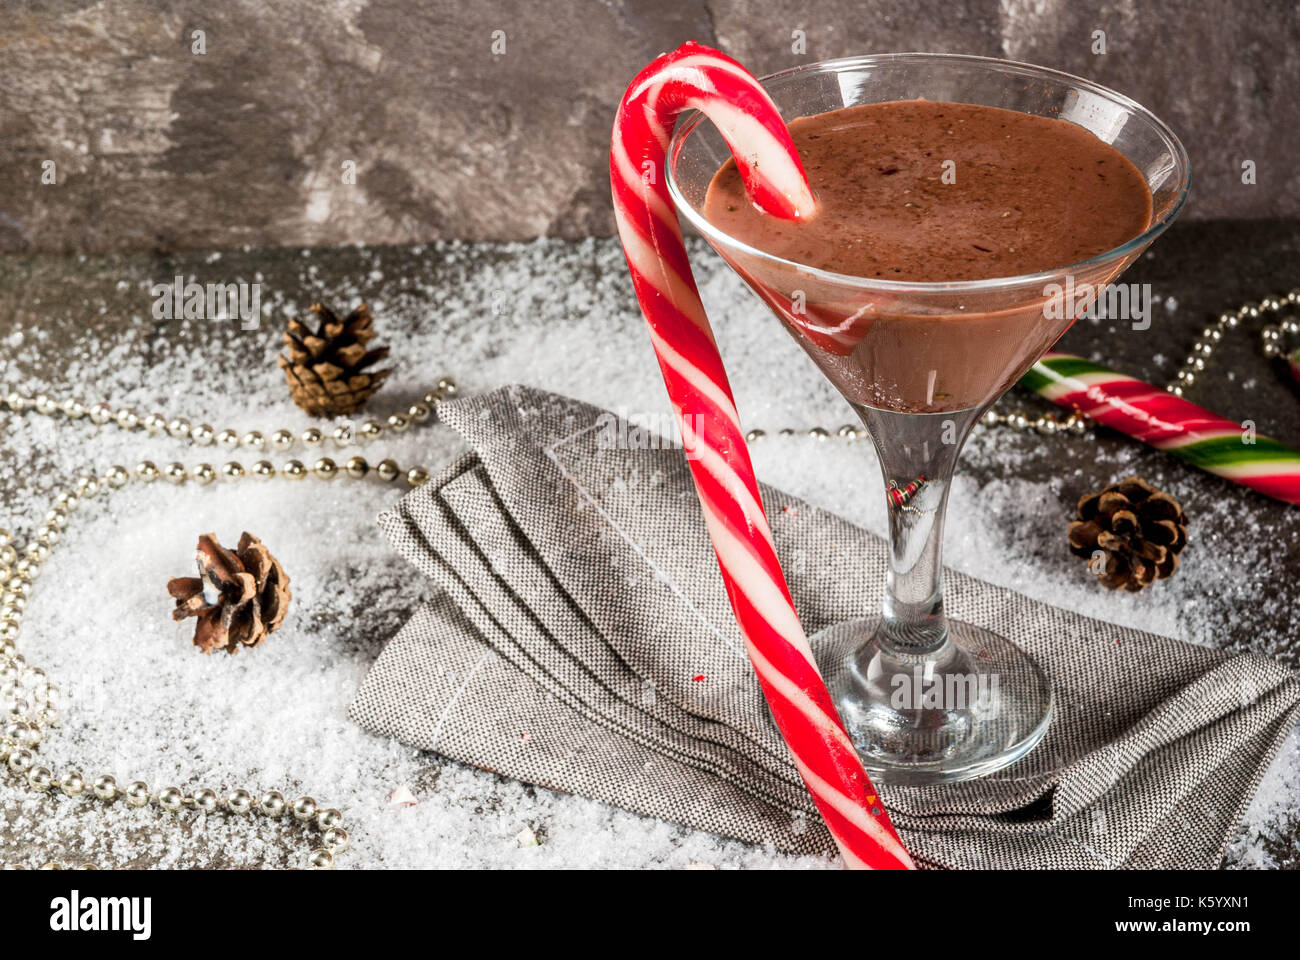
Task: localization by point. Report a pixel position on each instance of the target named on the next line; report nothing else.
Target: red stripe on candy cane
(695, 77)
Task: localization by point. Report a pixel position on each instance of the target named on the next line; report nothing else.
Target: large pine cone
(330, 370)
(239, 596)
(1139, 531)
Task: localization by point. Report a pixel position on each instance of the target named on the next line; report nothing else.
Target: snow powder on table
(140, 702)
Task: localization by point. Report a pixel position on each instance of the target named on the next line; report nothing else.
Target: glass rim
(689, 121)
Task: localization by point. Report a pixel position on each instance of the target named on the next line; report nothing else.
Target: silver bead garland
(30, 701)
(203, 435)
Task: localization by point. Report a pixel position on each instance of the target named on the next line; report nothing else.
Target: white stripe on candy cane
(630, 174)
(647, 262)
(726, 475)
(764, 157)
(702, 64)
(1256, 469)
(799, 699)
(1173, 444)
(850, 811)
(762, 592)
(697, 378)
(1077, 383)
(743, 132)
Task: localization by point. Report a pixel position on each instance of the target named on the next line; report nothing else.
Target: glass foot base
(974, 706)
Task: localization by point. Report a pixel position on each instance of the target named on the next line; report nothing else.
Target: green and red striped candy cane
(1167, 422)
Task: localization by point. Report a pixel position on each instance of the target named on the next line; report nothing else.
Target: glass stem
(917, 452)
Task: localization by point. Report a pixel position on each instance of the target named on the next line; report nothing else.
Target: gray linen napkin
(582, 641)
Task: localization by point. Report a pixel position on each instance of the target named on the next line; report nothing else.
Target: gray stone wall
(155, 145)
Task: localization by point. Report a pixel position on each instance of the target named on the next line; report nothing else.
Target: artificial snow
(140, 702)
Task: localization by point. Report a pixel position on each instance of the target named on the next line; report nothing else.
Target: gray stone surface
(158, 148)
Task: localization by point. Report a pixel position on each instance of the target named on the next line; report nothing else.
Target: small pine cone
(1131, 534)
(238, 597)
(330, 370)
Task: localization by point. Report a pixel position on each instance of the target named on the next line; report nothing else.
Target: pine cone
(1140, 531)
(329, 369)
(239, 597)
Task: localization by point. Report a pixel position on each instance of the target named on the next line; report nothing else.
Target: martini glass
(928, 698)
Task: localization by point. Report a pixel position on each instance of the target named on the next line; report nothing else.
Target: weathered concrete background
(156, 146)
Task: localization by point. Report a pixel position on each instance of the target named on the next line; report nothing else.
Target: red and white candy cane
(1168, 422)
(696, 77)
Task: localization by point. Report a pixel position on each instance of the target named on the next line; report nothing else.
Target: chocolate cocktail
(956, 196)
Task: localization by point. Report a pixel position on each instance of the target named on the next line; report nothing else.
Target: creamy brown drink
(929, 192)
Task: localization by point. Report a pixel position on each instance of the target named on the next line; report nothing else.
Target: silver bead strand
(30, 701)
(203, 435)
(1273, 336)
(1270, 334)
